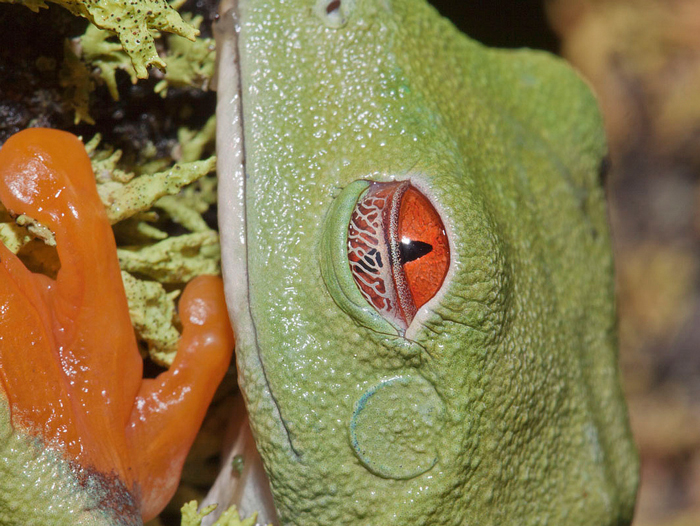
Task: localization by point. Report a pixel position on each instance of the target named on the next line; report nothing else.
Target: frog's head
(418, 270)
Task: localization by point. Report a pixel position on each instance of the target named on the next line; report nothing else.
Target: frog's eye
(397, 250)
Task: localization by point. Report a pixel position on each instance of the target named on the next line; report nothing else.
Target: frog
(418, 268)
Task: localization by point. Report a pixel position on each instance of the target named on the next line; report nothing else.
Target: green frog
(418, 270)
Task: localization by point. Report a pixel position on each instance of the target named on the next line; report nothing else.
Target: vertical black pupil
(411, 250)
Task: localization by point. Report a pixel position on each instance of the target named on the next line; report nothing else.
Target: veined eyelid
(335, 268)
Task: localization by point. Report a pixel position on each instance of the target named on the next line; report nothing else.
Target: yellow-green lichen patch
(37, 230)
(123, 200)
(12, 235)
(189, 63)
(77, 84)
(145, 209)
(132, 21)
(152, 312)
(105, 162)
(193, 142)
(31, 241)
(176, 259)
(192, 517)
(94, 58)
(102, 54)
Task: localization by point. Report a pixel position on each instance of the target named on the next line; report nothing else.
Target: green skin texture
(503, 406)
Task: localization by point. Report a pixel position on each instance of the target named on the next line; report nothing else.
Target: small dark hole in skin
(333, 6)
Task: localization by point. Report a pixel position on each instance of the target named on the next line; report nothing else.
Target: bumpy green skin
(505, 408)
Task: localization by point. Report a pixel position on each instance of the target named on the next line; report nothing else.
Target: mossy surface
(192, 517)
(132, 21)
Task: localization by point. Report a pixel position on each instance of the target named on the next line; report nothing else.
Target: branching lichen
(124, 200)
(77, 84)
(152, 312)
(193, 142)
(192, 517)
(137, 205)
(132, 21)
(98, 51)
(95, 57)
(176, 259)
(189, 64)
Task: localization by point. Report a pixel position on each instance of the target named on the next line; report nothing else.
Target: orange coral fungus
(69, 363)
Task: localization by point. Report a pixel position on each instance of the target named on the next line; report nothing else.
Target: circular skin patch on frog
(394, 427)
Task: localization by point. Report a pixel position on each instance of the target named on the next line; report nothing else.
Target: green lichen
(95, 57)
(77, 84)
(101, 54)
(140, 206)
(132, 21)
(191, 517)
(176, 259)
(153, 315)
(105, 162)
(30, 240)
(36, 229)
(14, 236)
(193, 142)
(189, 64)
(123, 200)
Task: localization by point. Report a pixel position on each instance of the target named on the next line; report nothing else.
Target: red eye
(398, 250)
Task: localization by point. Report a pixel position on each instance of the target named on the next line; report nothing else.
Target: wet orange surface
(69, 362)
